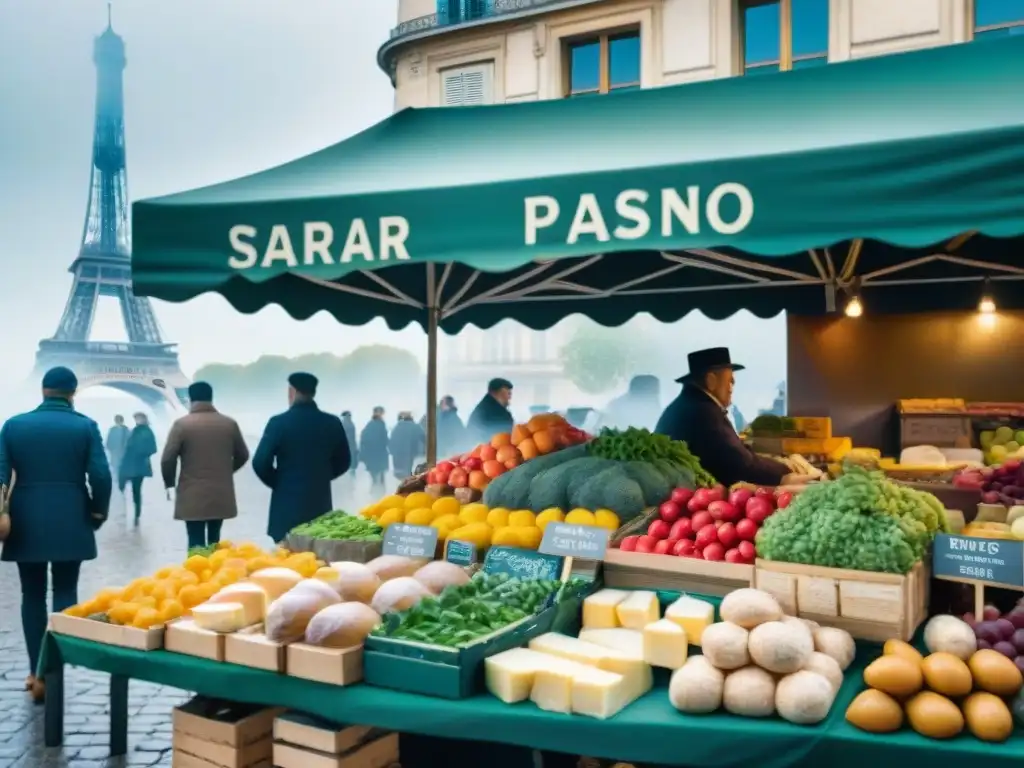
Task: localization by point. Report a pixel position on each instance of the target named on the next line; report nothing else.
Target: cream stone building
(469, 52)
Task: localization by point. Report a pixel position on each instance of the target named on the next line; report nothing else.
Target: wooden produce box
(335, 666)
(210, 732)
(251, 648)
(183, 636)
(870, 606)
(109, 634)
(333, 551)
(380, 751)
(943, 430)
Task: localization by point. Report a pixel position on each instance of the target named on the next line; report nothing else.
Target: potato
(696, 687)
(749, 692)
(934, 716)
(724, 644)
(875, 712)
(987, 717)
(895, 675)
(804, 697)
(748, 608)
(951, 635)
(837, 643)
(344, 625)
(995, 673)
(824, 665)
(355, 581)
(947, 674)
(780, 648)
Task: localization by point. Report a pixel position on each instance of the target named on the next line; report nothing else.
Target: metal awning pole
(433, 323)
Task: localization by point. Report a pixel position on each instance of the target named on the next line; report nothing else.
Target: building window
(998, 18)
(610, 62)
(458, 11)
(780, 35)
(466, 86)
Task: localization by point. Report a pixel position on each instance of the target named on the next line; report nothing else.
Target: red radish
(727, 535)
(784, 500)
(723, 510)
(444, 466)
(759, 509)
(459, 478)
(473, 463)
(670, 511)
(700, 519)
(707, 535)
(684, 548)
(665, 546)
(764, 493)
(716, 493)
(746, 529)
(442, 477)
(681, 529)
(713, 551)
(681, 496)
(740, 496)
(432, 478)
(748, 551)
(700, 500)
(734, 556)
(645, 544)
(628, 544)
(659, 529)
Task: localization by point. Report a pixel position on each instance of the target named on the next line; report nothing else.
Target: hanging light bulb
(854, 308)
(987, 305)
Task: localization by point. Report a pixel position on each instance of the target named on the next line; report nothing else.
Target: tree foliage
(599, 360)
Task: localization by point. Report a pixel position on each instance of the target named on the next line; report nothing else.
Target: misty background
(219, 90)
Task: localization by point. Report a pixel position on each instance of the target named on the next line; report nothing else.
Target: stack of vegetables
(624, 471)
(955, 685)
(340, 526)
(861, 521)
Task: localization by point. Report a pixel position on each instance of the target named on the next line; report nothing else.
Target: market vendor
(699, 416)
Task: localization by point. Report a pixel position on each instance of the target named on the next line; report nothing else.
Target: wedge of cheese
(630, 665)
(693, 615)
(627, 640)
(599, 608)
(509, 675)
(600, 694)
(250, 596)
(221, 617)
(665, 644)
(638, 610)
(552, 685)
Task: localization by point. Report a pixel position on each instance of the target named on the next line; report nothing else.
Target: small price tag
(419, 541)
(986, 561)
(586, 542)
(460, 552)
(522, 563)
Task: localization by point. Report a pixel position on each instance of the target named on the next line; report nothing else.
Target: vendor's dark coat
(696, 418)
(302, 450)
(488, 419)
(62, 486)
(374, 447)
(407, 443)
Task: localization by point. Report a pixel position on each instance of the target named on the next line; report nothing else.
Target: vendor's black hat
(704, 360)
(303, 383)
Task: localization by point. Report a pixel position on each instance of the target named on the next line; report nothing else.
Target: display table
(649, 731)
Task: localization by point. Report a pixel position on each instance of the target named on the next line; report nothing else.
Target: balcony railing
(454, 12)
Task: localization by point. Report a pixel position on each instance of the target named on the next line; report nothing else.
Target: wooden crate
(870, 606)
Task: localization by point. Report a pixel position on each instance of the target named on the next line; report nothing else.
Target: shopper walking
(135, 464)
(374, 450)
(491, 414)
(210, 448)
(302, 450)
(451, 432)
(60, 498)
(117, 439)
(353, 440)
(407, 443)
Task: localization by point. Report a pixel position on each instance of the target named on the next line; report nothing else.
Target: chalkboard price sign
(522, 563)
(417, 541)
(460, 552)
(587, 542)
(974, 559)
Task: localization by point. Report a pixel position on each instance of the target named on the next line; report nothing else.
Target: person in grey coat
(117, 441)
(210, 448)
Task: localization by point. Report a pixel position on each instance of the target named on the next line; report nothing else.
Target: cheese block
(552, 685)
(631, 666)
(599, 609)
(509, 675)
(600, 694)
(628, 640)
(693, 615)
(638, 610)
(220, 617)
(275, 581)
(249, 596)
(665, 644)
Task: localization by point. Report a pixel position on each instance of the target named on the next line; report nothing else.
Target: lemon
(605, 518)
(449, 521)
(446, 505)
(580, 517)
(550, 515)
(497, 517)
(522, 518)
(474, 513)
(391, 516)
(369, 512)
(421, 516)
(390, 502)
(506, 536)
(418, 499)
(529, 538)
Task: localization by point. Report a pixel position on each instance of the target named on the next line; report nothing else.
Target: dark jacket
(700, 421)
(488, 419)
(374, 448)
(302, 450)
(117, 439)
(451, 434)
(141, 446)
(407, 443)
(353, 440)
(62, 486)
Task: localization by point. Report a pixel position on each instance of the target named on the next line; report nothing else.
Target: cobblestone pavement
(125, 553)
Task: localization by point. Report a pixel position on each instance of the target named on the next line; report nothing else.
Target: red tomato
(681, 529)
(707, 535)
(659, 529)
(734, 556)
(746, 529)
(713, 551)
(670, 511)
(727, 535)
(664, 547)
(646, 544)
(681, 496)
(784, 500)
(700, 519)
(684, 548)
(748, 551)
(628, 544)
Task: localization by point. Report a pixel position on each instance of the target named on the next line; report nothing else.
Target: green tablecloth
(648, 731)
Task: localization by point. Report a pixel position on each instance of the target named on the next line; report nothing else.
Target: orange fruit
(171, 610)
(478, 479)
(492, 469)
(545, 441)
(500, 439)
(520, 432)
(506, 453)
(528, 449)
(197, 564)
(146, 617)
(190, 596)
(488, 452)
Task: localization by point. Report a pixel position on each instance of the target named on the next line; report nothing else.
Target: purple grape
(1006, 649)
(984, 645)
(1019, 661)
(1005, 627)
(970, 620)
(1016, 616)
(988, 631)
(991, 613)
(1018, 640)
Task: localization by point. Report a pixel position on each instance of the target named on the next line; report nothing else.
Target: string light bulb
(987, 305)
(854, 308)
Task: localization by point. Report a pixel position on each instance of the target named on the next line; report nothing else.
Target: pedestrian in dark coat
(698, 416)
(408, 442)
(374, 450)
(61, 495)
(491, 414)
(639, 407)
(302, 450)
(136, 464)
(353, 439)
(211, 449)
(117, 439)
(451, 432)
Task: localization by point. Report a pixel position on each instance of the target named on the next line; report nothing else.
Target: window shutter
(453, 89)
(467, 86)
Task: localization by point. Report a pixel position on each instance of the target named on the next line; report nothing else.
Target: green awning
(611, 205)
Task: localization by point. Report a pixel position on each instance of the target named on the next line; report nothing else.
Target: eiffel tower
(144, 366)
